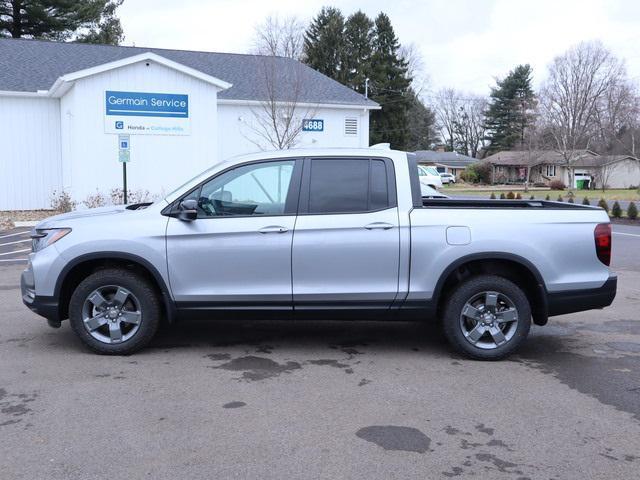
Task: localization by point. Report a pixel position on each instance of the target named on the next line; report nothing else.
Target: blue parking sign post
(124, 156)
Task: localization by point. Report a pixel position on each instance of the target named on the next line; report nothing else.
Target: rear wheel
(487, 317)
(115, 311)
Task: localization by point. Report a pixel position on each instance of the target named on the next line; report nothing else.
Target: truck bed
(500, 204)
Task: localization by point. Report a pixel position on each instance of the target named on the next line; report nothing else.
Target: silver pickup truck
(329, 234)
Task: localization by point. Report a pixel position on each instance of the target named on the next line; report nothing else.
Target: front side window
(348, 185)
(255, 189)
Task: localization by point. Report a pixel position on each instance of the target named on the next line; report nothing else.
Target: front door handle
(379, 226)
(273, 229)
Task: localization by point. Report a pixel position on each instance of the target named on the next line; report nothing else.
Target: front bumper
(571, 301)
(46, 307)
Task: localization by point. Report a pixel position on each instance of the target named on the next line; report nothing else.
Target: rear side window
(348, 185)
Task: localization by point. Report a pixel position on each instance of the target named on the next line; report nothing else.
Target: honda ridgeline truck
(324, 233)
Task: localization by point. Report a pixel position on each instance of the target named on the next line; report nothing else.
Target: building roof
(522, 158)
(449, 159)
(32, 65)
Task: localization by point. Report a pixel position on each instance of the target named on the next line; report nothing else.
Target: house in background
(445, 162)
(541, 167)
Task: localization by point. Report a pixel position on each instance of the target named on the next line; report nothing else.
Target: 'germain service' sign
(143, 113)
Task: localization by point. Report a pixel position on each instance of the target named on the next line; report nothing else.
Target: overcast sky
(465, 43)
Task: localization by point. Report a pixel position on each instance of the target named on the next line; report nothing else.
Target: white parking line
(627, 234)
(15, 260)
(26, 232)
(17, 251)
(15, 243)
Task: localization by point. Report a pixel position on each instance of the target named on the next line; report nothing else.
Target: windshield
(425, 171)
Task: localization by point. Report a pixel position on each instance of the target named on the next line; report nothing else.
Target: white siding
(159, 163)
(30, 167)
(238, 129)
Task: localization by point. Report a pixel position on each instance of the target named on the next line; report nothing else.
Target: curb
(31, 223)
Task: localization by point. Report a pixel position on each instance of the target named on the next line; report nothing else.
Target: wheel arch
(78, 268)
(511, 266)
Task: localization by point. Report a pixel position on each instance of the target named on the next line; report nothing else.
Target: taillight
(602, 235)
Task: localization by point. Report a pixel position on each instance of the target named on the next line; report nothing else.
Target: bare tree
(460, 120)
(280, 37)
(617, 119)
(415, 67)
(577, 83)
(278, 118)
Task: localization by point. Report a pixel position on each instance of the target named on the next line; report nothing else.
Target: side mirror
(188, 210)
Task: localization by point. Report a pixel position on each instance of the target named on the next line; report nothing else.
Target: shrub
(137, 196)
(616, 211)
(570, 200)
(502, 196)
(62, 202)
(479, 172)
(547, 198)
(560, 198)
(532, 197)
(603, 204)
(518, 196)
(585, 201)
(632, 211)
(557, 185)
(95, 201)
(493, 196)
(511, 195)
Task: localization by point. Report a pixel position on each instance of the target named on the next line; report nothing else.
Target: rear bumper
(571, 301)
(46, 307)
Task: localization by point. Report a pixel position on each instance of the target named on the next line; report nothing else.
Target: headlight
(44, 237)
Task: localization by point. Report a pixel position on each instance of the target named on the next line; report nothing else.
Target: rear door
(346, 241)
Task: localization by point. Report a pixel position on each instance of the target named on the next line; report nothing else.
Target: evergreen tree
(421, 125)
(53, 19)
(324, 43)
(108, 29)
(358, 36)
(508, 115)
(389, 87)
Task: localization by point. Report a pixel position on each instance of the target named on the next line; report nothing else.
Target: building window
(551, 170)
(351, 127)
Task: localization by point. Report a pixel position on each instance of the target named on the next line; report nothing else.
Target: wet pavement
(324, 400)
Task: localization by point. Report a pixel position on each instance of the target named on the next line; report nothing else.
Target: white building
(70, 112)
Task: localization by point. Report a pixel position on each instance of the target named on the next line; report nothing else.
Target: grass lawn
(541, 193)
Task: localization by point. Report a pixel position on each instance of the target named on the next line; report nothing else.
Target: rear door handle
(379, 226)
(273, 229)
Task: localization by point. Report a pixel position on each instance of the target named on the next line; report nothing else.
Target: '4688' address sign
(312, 125)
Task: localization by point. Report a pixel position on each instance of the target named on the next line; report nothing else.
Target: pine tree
(508, 115)
(324, 44)
(358, 35)
(108, 29)
(54, 19)
(421, 133)
(389, 87)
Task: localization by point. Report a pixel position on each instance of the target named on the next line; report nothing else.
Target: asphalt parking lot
(329, 400)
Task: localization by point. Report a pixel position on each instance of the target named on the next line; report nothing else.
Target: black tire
(471, 288)
(145, 294)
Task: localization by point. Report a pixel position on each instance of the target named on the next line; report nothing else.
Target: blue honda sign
(141, 104)
(145, 113)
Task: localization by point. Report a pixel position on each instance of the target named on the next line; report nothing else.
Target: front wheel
(115, 311)
(487, 317)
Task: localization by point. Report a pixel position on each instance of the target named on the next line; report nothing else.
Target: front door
(346, 244)
(237, 253)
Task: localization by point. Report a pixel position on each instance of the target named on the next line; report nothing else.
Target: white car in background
(429, 176)
(447, 178)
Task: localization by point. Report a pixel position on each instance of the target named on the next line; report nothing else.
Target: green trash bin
(580, 184)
